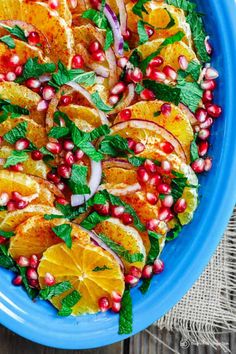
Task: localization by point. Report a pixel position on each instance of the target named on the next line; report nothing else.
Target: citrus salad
(105, 113)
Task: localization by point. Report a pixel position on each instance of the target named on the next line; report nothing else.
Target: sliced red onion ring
(115, 26)
(95, 179)
(87, 95)
(123, 15)
(122, 191)
(99, 242)
(111, 59)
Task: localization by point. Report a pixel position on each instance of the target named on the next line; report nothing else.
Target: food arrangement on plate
(106, 110)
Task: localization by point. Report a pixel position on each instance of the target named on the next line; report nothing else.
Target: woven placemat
(210, 305)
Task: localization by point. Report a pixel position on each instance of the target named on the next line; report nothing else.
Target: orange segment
(87, 114)
(176, 123)
(35, 235)
(125, 236)
(77, 266)
(18, 182)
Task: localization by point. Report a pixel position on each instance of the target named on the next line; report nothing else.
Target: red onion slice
(122, 191)
(111, 59)
(99, 242)
(123, 15)
(115, 26)
(95, 179)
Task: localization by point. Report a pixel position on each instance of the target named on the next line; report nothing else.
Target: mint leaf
(78, 180)
(58, 132)
(143, 36)
(100, 131)
(145, 286)
(139, 8)
(16, 133)
(93, 220)
(6, 234)
(65, 311)
(33, 293)
(109, 40)
(136, 161)
(174, 233)
(15, 31)
(114, 145)
(191, 94)
(126, 314)
(6, 261)
(68, 302)
(193, 70)
(12, 109)
(155, 247)
(46, 152)
(182, 4)
(177, 187)
(64, 233)
(99, 102)
(15, 158)
(97, 17)
(54, 290)
(135, 58)
(139, 88)
(33, 68)
(164, 92)
(194, 150)
(91, 152)
(8, 41)
(100, 269)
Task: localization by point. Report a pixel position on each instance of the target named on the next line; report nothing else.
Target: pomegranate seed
(32, 274)
(150, 166)
(147, 272)
(99, 55)
(158, 266)
(36, 155)
(198, 165)
(19, 70)
(17, 281)
(77, 62)
(128, 76)
(155, 180)
(151, 198)
(152, 224)
(10, 76)
(127, 34)
(33, 83)
(207, 124)
(180, 206)
(204, 134)
(14, 60)
(53, 4)
(125, 114)
(69, 158)
(33, 38)
(34, 261)
(22, 261)
(119, 88)
(208, 85)
(42, 106)
(95, 3)
(122, 62)
(54, 148)
(136, 75)
(17, 168)
(2, 240)
(53, 177)
(214, 111)
(167, 147)
(183, 62)
(201, 115)
(163, 213)
(102, 209)
(117, 211)
(166, 166)
(17, 197)
(65, 100)
(48, 93)
(211, 74)
(155, 62)
(131, 143)
(115, 296)
(208, 164)
(2, 77)
(11, 206)
(157, 75)
(131, 280)
(33, 283)
(150, 31)
(164, 188)
(68, 145)
(104, 304)
(170, 72)
(116, 307)
(64, 171)
(138, 148)
(143, 176)
(61, 186)
(207, 96)
(94, 47)
(168, 201)
(166, 109)
(127, 219)
(21, 204)
(136, 272)
(62, 201)
(49, 279)
(203, 147)
(4, 199)
(22, 144)
(147, 95)
(113, 99)
(78, 155)
(208, 46)
(1, 140)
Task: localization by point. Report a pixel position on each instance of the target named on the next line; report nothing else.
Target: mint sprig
(126, 314)
(64, 233)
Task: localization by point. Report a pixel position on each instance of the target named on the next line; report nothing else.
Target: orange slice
(77, 265)
(87, 114)
(18, 182)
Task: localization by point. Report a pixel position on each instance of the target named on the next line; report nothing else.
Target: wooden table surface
(142, 343)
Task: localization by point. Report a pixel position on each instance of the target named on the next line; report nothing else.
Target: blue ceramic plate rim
(89, 332)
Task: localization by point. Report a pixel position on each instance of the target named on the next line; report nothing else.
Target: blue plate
(186, 257)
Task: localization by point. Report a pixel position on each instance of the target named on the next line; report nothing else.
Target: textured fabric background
(210, 305)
